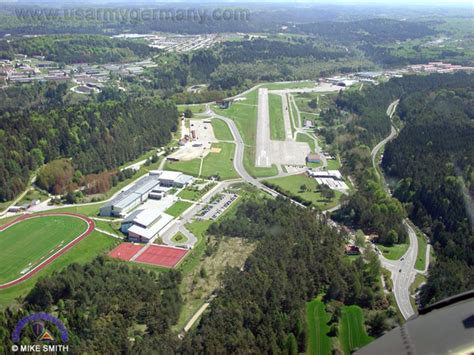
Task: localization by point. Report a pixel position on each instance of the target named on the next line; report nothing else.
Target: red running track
(161, 255)
(39, 267)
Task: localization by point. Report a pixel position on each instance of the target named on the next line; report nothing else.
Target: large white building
(147, 187)
(129, 199)
(173, 178)
(145, 224)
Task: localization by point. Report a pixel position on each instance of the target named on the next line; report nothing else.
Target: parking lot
(215, 209)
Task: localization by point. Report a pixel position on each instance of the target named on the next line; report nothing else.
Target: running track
(39, 267)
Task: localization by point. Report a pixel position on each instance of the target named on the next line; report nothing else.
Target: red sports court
(162, 256)
(125, 251)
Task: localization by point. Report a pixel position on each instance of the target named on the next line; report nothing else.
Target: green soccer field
(26, 244)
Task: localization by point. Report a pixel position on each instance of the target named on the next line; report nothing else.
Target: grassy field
(394, 252)
(190, 167)
(421, 255)
(88, 210)
(221, 130)
(189, 194)
(111, 227)
(277, 125)
(293, 183)
(419, 280)
(195, 108)
(319, 343)
(300, 137)
(334, 164)
(352, 332)
(25, 244)
(91, 246)
(290, 85)
(244, 114)
(213, 164)
(177, 208)
(220, 163)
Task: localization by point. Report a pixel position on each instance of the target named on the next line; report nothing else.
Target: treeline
(77, 49)
(370, 207)
(97, 136)
(234, 66)
(370, 106)
(372, 31)
(261, 308)
(106, 307)
(433, 159)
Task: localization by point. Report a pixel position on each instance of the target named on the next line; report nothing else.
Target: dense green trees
(260, 309)
(370, 207)
(107, 307)
(433, 160)
(96, 135)
(77, 49)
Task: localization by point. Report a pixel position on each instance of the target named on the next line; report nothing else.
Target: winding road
(402, 271)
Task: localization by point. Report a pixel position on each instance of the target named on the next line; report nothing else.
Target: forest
(260, 309)
(370, 207)
(77, 49)
(112, 307)
(432, 160)
(106, 306)
(98, 135)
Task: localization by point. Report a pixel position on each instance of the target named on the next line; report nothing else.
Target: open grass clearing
(289, 85)
(199, 283)
(178, 208)
(222, 163)
(195, 108)
(301, 137)
(334, 164)
(221, 130)
(393, 252)
(190, 167)
(352, 334)
(319, 343)
(293, 185)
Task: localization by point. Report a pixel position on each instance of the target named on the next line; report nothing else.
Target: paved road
(403, 270)
(179, 225)
(403, 273)
(239, 157)
(393, 132)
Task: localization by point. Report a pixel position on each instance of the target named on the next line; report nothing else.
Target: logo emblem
(39, 329)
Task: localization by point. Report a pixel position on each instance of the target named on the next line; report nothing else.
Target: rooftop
(170, 175)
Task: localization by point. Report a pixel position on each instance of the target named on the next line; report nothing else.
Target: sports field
(317, 318)
(352, 332)
(125, 251)
(29, 242)
(162, 256)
